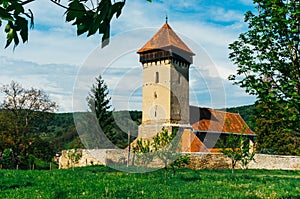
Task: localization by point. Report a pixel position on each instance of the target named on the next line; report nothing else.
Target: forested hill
(53, 132)
(61, 131)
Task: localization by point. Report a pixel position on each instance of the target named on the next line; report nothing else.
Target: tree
(143, 151)
(20, 111)
(237, 148)
(267, 57)
(163, 146)
(166, 146)
(7, 159)
(88, 17)
(73, 155)
(99, 104)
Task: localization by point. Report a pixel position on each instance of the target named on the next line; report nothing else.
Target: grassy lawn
(103, 182)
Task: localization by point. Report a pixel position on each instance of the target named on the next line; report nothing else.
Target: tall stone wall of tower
(156, 92)
(180, 92)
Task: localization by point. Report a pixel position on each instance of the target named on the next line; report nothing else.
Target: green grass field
(103, 182)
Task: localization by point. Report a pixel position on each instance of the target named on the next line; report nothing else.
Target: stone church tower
(166, 60)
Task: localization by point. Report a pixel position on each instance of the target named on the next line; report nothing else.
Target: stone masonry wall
(262, 161)
(198, 160)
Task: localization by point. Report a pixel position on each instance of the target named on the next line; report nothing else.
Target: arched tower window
(157, 77)
(155, 95)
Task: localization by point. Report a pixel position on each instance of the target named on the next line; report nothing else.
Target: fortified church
(166, 60)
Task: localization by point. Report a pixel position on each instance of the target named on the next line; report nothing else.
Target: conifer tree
(99, 104)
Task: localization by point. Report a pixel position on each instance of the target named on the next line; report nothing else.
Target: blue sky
(64, 65)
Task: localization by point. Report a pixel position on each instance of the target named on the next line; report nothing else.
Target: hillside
(59, 129)
(62, 133)
(53, 132)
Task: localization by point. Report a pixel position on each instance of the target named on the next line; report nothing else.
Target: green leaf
(71, 15)
(5, 15)
(81, 28)
(18, 9)
(22, 24)
(75, 10)
(93, 29)
(9, 37)
(16, 39)
(7, 27)
(117, 8)
(31, 19)
(78, 7)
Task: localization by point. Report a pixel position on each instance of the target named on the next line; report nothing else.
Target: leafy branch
(87, 20)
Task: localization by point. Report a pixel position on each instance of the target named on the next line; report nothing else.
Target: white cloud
(51, 58)
(55, 79)
(247, 2)
(222, 15)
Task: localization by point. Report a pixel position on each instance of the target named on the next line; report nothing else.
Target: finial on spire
(166, 18)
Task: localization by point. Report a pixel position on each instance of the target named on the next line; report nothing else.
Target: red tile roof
(164, 38)
(210, 120)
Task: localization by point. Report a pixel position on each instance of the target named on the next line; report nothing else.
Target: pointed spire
(165, 38)
(166, 18)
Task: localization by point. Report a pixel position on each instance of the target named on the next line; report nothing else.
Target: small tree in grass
(74, 155)
(237, 148)
(180, 162)
(143, 151)
(164, 146)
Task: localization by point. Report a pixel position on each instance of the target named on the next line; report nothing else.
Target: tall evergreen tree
(267, 57)
(99, 104)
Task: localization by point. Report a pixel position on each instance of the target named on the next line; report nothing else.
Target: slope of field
(103, 182)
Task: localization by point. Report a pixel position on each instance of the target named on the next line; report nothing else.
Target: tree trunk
(232, 166)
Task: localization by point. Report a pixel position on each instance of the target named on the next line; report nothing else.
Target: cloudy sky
(65, 66)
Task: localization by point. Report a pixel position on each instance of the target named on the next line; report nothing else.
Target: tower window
(179, 77)
(156, 77)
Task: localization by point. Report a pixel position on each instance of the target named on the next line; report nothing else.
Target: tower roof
(165, 38)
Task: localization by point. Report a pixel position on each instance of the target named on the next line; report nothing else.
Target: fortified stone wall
(198, 160)
(262, 161)
(93, 157)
